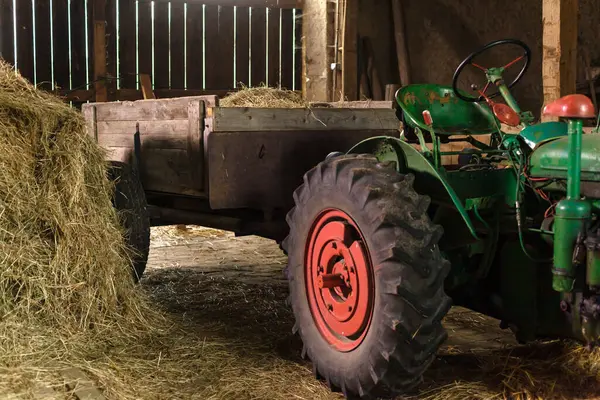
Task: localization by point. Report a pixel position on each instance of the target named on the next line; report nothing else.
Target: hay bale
(65, 281)
(63, 255)
(264, 97)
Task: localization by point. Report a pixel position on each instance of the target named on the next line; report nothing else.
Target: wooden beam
(401, 42)
(317, 52)
(99, 40)
(559, 63)
(350, 50)
(80, 96)
(239, 3)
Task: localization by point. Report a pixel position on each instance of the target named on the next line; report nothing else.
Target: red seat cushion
(571, 106)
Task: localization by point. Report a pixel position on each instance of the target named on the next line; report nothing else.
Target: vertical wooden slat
(60, 36)
(298, 50)
(161, 45)
(145, 38)
(7, 50)
(242, 41)
(349, 40)
(78, 60)
(226, 40)
(100, 58)
(127, 44)
(43, 53)
(259, 46)
(111, 47)
(559, 56)
(195, 29)
(287, 49)
(177, 45)
(25, 39)
(212, 50)
(274, 51)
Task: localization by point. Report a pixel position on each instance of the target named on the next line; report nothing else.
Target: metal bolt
(329, 307)
(334, 245)
(350, 308)
(351, 270)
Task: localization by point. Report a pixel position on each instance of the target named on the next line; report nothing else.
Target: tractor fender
(428, 180)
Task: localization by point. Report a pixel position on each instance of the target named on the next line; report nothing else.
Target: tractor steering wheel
(489, 71)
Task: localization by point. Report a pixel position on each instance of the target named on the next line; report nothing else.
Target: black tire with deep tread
(130, 200)
(410, 302)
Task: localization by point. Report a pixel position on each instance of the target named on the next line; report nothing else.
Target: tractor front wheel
(366, 277)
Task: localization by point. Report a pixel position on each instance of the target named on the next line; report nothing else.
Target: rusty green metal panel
(535, 135)
(451, 115)
(552, 159)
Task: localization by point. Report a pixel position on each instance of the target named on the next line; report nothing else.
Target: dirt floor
(235, 288)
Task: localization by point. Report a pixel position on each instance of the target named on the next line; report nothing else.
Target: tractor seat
(450, 114)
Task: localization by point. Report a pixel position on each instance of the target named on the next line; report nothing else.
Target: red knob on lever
(427, 118)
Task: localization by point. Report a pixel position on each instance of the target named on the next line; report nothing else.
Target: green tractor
(384, 238)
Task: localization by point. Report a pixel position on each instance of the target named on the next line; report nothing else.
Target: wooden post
(401, 43)
(99, 38)
(559, 63)
(317, 54)
(350, 50)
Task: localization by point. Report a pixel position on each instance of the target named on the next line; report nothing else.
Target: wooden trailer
(228, 168)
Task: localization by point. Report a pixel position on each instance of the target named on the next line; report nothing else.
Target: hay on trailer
(264, 97)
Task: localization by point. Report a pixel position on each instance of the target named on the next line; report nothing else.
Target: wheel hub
(339, 280)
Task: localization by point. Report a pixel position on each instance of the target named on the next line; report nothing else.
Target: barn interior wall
(440, 33)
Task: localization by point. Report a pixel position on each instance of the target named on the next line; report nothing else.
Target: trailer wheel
(130, 200)
(366, 277)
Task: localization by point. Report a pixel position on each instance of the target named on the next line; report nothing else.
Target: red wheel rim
(339, 280)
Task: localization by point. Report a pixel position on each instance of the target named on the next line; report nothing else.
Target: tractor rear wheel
(366, 277)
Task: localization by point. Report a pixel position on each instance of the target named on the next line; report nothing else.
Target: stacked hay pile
(64, 277)
(264, 97)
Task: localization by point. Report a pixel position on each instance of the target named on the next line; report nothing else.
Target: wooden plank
(177, 46)
(222, 119)
(225, 59)
(242, 40)
(161, 46)
(100, 68)
(145, 38)
(169, 171)
(244, 176)
(60, 25)
(194, 143)
(25, 39)
(299, 52)
(317, 31)
(401, 42)
(7, 50)
(43, 48)
(78, 43)
(156, 141)
(287, 49)
(273, 52)
(133, 94)
(195, 57)
(146, 85)
(83, 388)
(127, 45)
(240, 3)
(111, 47)
(149, 110)
(166, 128)
(350, 51)
(559, 56)
(258, 49)
(356, 104)
(89, 113)
(212, 47)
